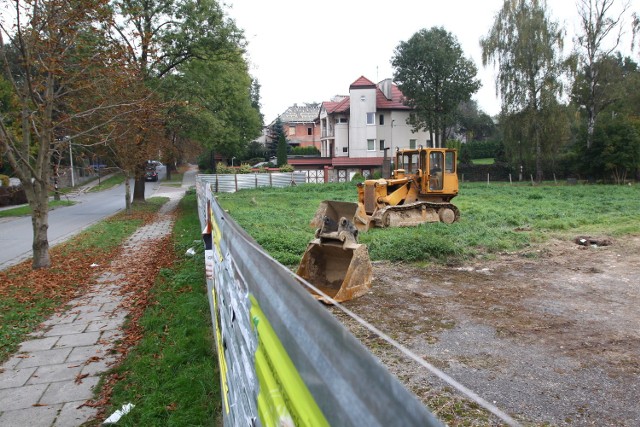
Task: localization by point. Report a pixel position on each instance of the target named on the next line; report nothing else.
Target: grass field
(487, 161)
(172, 375)
(494, 218)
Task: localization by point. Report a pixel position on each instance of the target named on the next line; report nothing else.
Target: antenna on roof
(377, 78)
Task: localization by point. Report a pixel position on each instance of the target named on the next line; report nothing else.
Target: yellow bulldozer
(419, 191)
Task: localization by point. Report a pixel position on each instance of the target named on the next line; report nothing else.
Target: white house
(356, 129)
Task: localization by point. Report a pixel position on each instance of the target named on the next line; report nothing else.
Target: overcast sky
(305, 51)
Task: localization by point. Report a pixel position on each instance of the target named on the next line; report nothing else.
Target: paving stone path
(55, 371)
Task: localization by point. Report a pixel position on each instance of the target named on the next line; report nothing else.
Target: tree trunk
(591, 124)
(138, 187)
(39, 203)
(127, 192)
(539, 173)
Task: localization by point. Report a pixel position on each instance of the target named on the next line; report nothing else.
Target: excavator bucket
(336, 263)
(334, 210)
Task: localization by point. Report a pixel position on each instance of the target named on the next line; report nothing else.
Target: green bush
(483, 149)
(305, 151)
(244, 168)
(357, 177)
(223, 169)
(286, 168)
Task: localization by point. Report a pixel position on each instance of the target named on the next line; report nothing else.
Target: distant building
(357, 132)
(300, 126)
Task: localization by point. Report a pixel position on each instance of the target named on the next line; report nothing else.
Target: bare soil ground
(551, 336)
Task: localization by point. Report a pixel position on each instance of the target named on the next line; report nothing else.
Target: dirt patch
(550, 336)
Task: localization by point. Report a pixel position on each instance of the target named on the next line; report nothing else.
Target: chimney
(385, 87)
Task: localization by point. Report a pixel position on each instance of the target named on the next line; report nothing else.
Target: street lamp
(73, 184)
(232, 159)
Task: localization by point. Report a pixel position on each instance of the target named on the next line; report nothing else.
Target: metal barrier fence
(230, 183)
(284, 360)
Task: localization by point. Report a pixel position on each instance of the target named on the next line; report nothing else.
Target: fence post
(487, 179)
(510, 182)
(235, 178)
(532, 184)
(255, 175)
(270, 180)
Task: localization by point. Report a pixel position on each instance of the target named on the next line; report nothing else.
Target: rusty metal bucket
(336, 263)
(334, 210)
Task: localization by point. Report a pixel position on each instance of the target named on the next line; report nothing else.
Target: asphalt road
(16, 234)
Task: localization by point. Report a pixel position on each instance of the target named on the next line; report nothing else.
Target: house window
(412, 143)
(292, 130)
(343, 120)
(381, 119)
(345, 150)
(309, 131)
(371, 144)
(371, 118)
(381, 143)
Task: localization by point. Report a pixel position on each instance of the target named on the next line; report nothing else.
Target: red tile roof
(362, 83)
(337, 107)
(310, 161)
(382, 102)
(336, 161)
(357, 161)
(395, 103)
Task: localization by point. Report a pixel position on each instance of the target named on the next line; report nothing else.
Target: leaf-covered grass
(26, 210)
(171, 375)
(494, 218)
(105, 184)
(28, 297)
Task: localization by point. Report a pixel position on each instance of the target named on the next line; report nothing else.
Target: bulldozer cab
(434, 169)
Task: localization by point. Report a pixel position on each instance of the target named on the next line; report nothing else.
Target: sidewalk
(55, 372)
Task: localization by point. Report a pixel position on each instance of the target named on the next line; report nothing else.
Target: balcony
(328, 133)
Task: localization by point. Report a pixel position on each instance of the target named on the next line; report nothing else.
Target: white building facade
(373, 117)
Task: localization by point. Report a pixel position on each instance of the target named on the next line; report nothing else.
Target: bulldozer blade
(341, 272)
(334, 210)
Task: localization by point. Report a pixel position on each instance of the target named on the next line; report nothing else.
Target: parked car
(151, 174)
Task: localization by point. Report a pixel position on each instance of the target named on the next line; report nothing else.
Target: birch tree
(525, 46)
(599, 38)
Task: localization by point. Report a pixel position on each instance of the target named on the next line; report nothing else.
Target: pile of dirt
(550, 336)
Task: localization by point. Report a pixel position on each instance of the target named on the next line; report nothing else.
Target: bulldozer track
(437, 206)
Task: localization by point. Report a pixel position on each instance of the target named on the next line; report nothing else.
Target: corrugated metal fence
(230, 183)
(284, 360)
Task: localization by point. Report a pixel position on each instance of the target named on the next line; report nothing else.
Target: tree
(435, 78)
(219, 112)
(54, 60)
(474, 123)
(282, 150)
(162, 35)
(596, 25)
(276, 131)
(525, 46)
